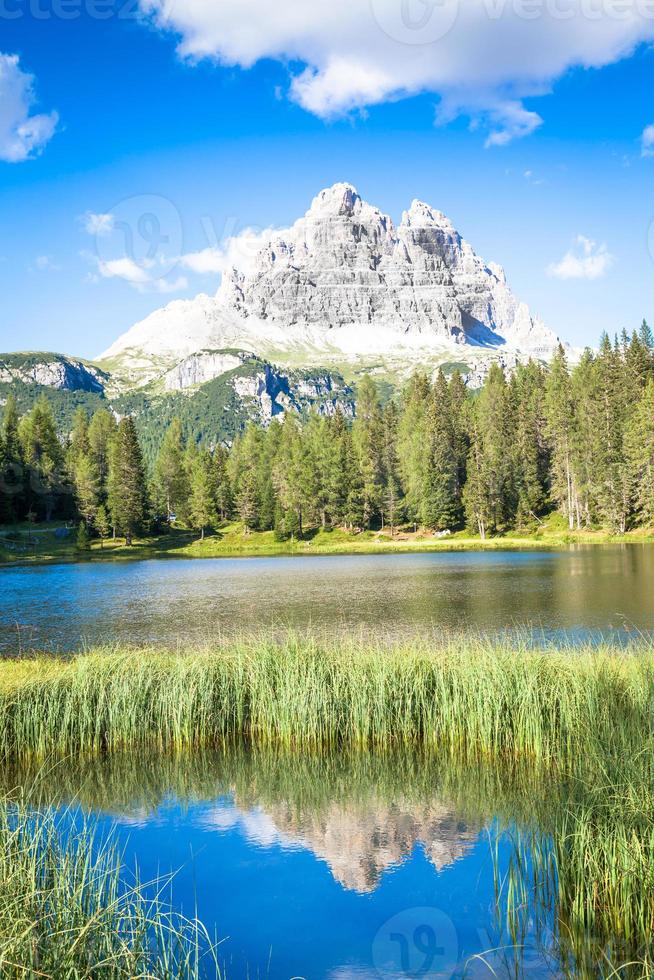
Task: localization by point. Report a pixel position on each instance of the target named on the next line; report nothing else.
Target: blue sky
(214, 120)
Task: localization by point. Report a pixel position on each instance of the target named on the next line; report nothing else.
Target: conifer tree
(441, 502)
(367, 434)
(101, 431)
(44, 458)
(203, 510)
(292, 473)
(171, 479)
(83, 541)
(646, 336)
(127, 495)
(476, 494)
(411, 444)
(608, 478)
(221, 482)
(392, 495)
(640, 457)
(78, 445)
(244, 468)
(87, 488)
(561, 431)
(12, 471)
(493, 437)
(530, 455)
(102, 523)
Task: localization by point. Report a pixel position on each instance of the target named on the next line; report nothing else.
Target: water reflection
(300, 862)
(574, 594)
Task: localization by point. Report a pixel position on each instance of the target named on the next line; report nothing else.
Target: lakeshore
(46, 544)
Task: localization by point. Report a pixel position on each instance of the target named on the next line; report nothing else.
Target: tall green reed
(469, 698)
(68, 910)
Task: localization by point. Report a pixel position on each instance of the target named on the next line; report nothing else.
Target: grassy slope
(230, 541)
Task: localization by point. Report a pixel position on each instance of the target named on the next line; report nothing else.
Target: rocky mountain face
(214, 393)
(264, 389)
(345, 285)
(344, 291)
(51, 371)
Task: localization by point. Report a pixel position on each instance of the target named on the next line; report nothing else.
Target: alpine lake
(350, 864)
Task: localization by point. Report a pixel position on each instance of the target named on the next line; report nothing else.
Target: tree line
(580, 441)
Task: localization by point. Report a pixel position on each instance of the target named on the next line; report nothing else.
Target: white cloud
(481, 58)
(647, 141)
(98, 224)
(22, 135)
(236, 251)
(209, 261)
(585, 260)
(143, 276)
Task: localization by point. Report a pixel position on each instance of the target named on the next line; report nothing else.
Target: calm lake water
(580, 593)
(329, 867)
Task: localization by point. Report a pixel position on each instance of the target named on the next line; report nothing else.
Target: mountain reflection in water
(299, 862)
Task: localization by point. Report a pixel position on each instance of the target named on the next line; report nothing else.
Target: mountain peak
(421, 214)
(340, 198)
(344, 284)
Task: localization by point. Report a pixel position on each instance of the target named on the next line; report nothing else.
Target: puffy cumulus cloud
(144, 276)
(647, 141)
(481, 58)
(22, 134)
(234, 252)
(585, 260)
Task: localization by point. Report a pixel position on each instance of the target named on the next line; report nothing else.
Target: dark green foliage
(202, 502)
(83, 541)
(127, 496)
(579, 440)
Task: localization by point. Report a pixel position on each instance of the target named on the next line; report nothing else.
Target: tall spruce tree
(441, 496)
(640, 457)
(530, 453)
(127, 496)
(171, 478)
(101, 431)
(493, 438)
(12, 469)
(202, 504)
(44, 459)
(368, 438)
(244, 470)
(411, 437)
(561, 431)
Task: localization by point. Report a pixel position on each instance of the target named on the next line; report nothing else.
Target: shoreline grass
(231, 542)
(576, 723)
(470, 697)
(68, 909)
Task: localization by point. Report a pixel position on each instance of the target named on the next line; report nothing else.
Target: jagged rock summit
(344, 285)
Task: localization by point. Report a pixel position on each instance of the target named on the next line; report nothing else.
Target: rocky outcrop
(345, 282)
(267, 393)
(345, 266)
(204, 366)
(51, 371)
